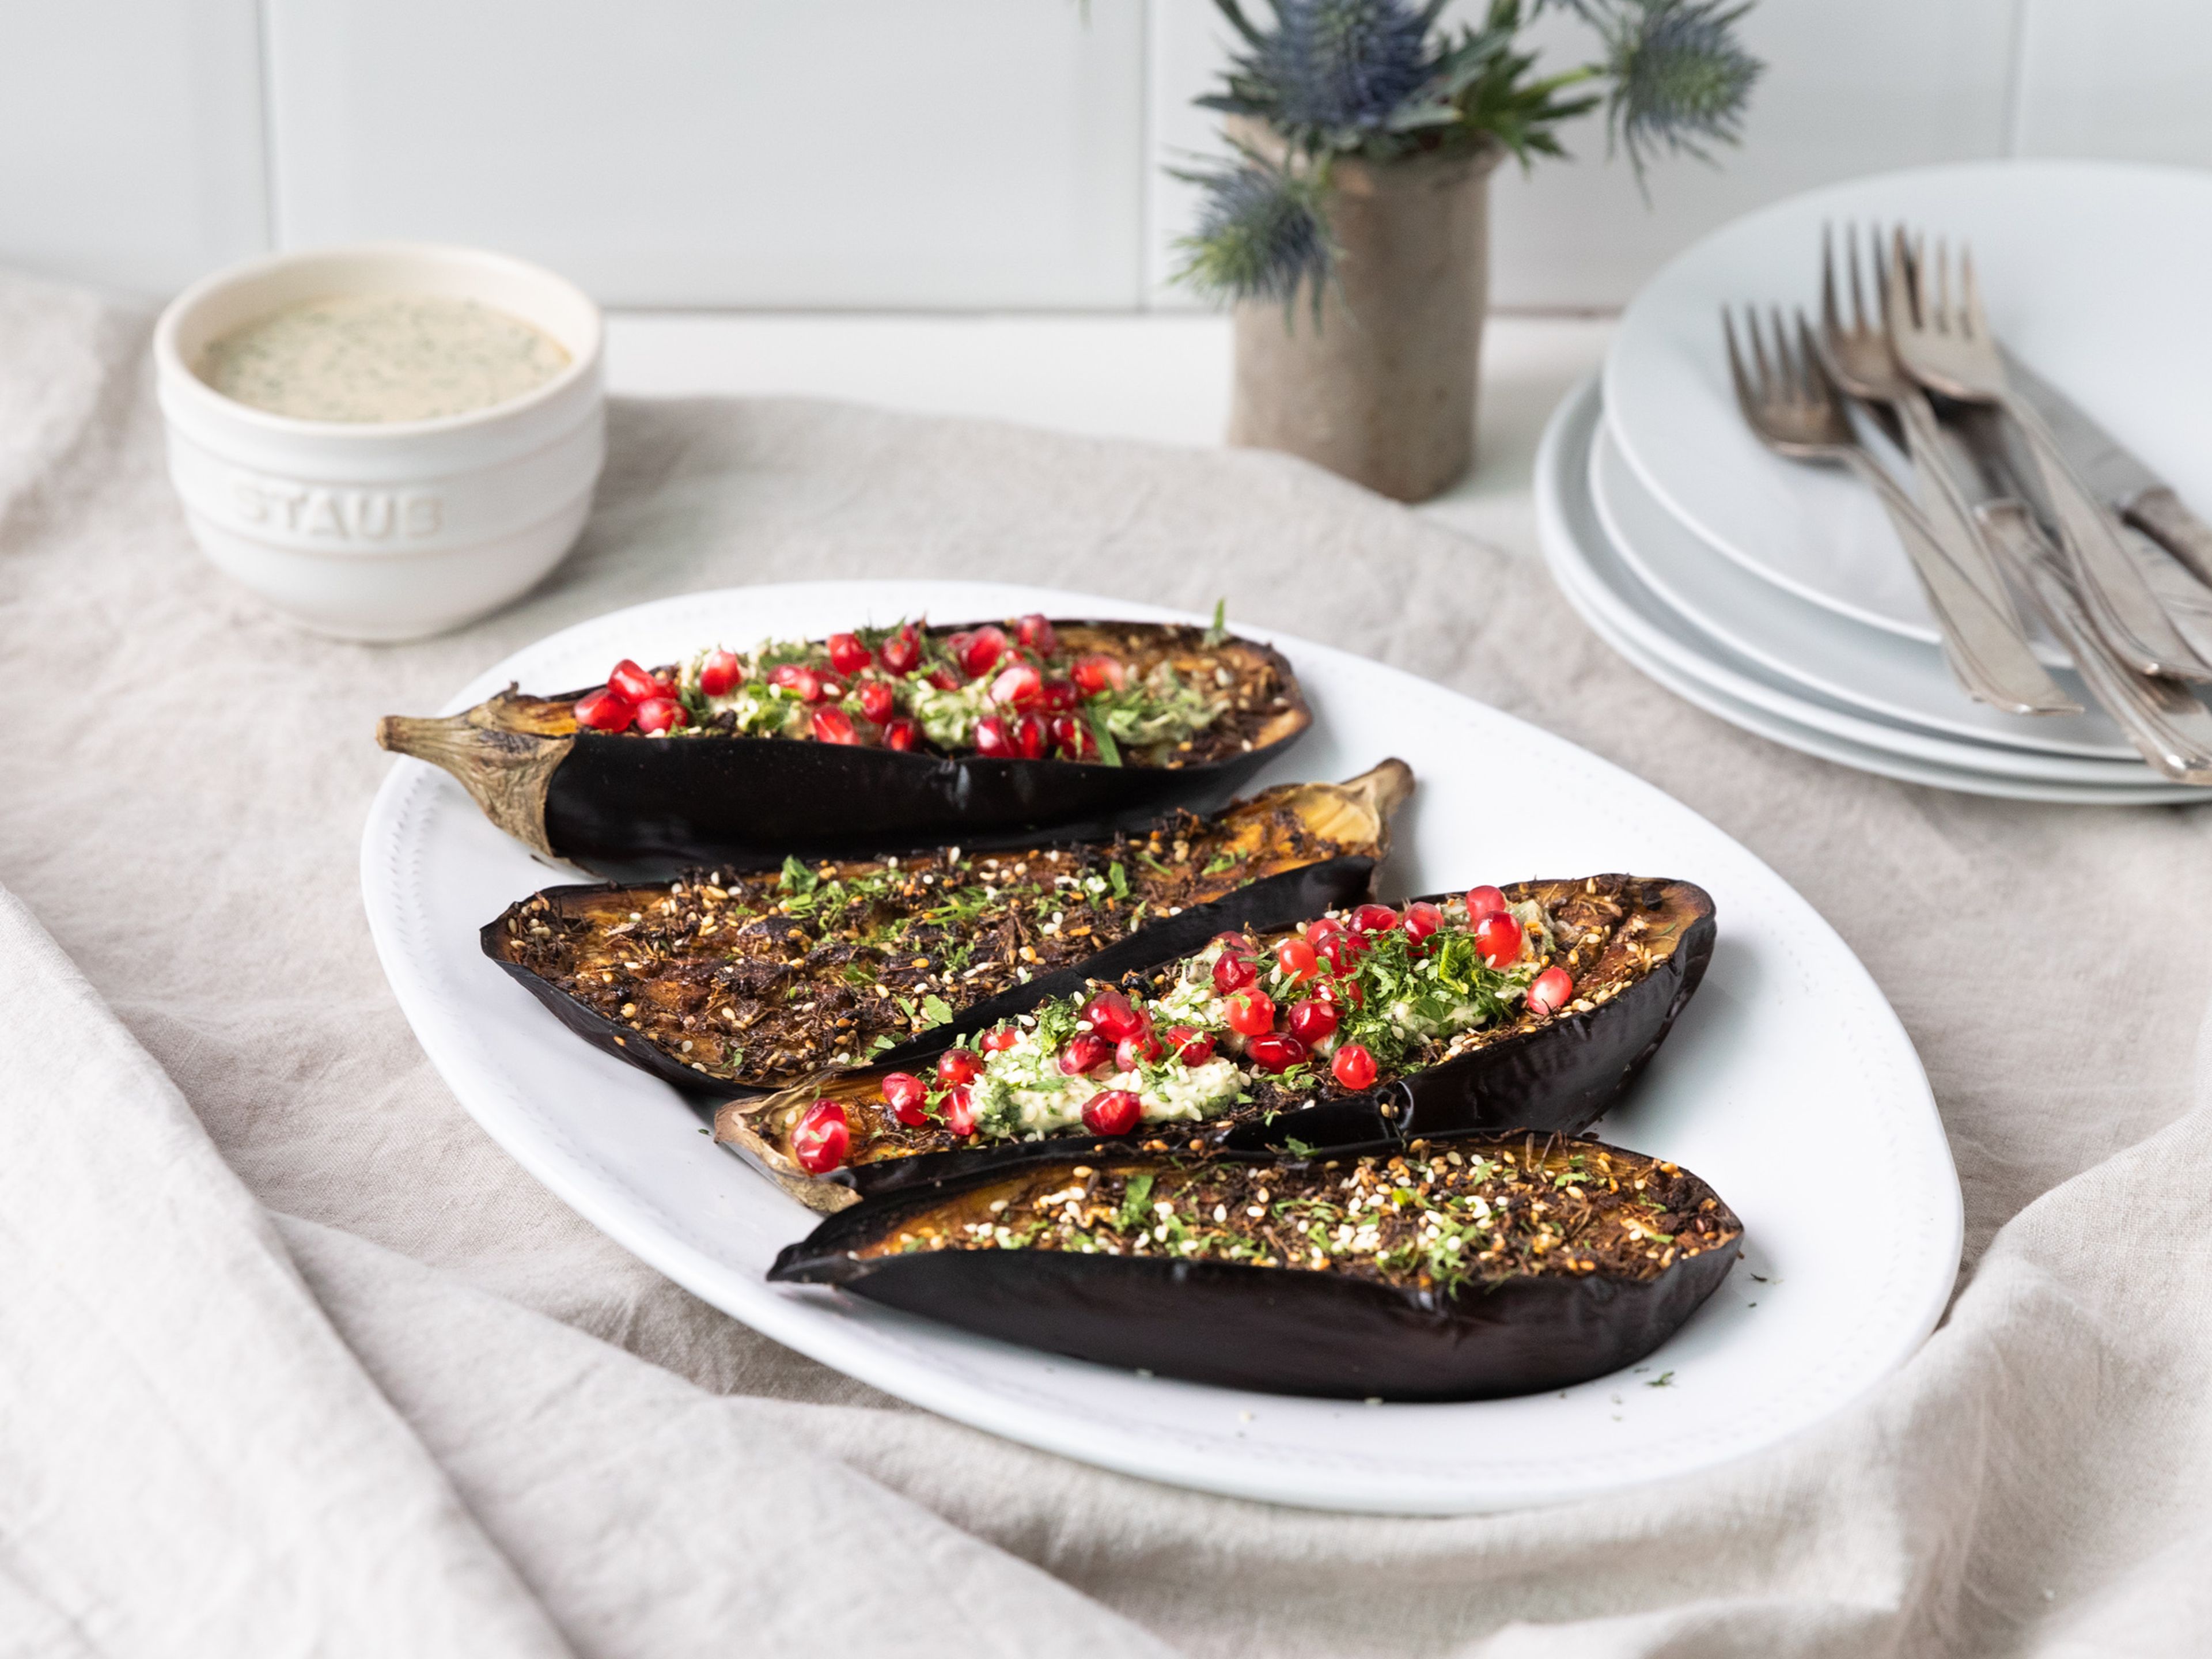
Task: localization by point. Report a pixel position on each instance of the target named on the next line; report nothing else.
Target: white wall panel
(761, 153)
(2126, 79)
(130, 139)
(1850, 88)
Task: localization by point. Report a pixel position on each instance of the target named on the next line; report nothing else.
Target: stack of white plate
(1775, 595)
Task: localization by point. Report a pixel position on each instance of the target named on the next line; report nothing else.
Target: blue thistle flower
(1260, 235)
(1345, 64)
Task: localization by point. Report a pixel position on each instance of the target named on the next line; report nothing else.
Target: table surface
(1165, 379)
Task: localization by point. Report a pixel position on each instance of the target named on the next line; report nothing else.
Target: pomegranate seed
(1374, 919)
(1296, 957)
(605, 710)
(1018, 687)
(1483, 902)
(1251, 1013)
(1036, 632)
(1324, 927)
(1086, 1051)
(848, 655)
(720, 672)
(944, 679)
(820, 1139)
(901, 733)
(831, 687)
(1073, 736)
(1550, 991)
(901, 653)
(1313, 1021)
(1274, 1051)
(1341, 951)
(1498, 938)
(984, 650)
(1114, 1112)
(792, 677)
(960, 1109)
(1029, 737)
(1230, 939)
(1061, 695)
(959, 1066)
(1422, 920)
(993, 738)
(1099, 673)
(666, 686)
(1346, 992)
(908, 1096)
(1192, 1048)
(998, 1039)
(1130, 1053)
(1353, 1065)
(1113, 1017)
(1232, 972)
(633, 682)
(833, 725)
(877, 701)
(662, 714)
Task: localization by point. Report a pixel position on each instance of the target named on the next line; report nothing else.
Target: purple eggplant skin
(637, 810)
(1272, 1330)
(1555, 1078)
(632, 808)
(1282, 900)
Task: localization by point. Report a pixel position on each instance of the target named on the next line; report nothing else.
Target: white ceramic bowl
(393, 529)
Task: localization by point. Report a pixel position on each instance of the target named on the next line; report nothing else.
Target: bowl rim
(182, 380)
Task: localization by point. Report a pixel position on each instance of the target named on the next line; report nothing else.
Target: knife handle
(2159, 514)
(2112, 585)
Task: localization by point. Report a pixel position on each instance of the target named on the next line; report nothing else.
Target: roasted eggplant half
(904, 737)
(1527, 1007)
(1461, 1270)
(743, 982)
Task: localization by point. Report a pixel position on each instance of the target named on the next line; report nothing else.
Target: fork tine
(1785, 371)
(1942, 262)
(1820, 385)
(1757, 351)
(1858, 294)
(1744, 399)
(1830, 319)
(1971, 323)
(1910, 275)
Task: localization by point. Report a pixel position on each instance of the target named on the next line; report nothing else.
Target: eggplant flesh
(1477, 1268)
(735, 983)
(631, 807)
(1642, 946)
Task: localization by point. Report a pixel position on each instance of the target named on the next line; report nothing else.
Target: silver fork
(1797, 411)
(1950, 349)
(1863, 362)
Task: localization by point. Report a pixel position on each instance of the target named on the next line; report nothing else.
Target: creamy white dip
(373, 357)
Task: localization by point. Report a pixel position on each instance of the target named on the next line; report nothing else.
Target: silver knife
(2123, 483)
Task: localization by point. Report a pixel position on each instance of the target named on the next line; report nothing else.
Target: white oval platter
(1788, 1060)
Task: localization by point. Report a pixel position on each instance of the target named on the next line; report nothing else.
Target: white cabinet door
(2126, 80)
(130, 149)
(759, 153)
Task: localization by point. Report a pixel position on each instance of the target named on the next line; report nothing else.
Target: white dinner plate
(1597, 580)
(1788, 1060)
(1869, 668)
(1661, 631)
(2092, 272)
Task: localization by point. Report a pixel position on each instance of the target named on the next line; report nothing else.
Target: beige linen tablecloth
(293, 1359)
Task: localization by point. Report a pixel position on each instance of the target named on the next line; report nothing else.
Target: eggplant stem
(732, 1129)
(507, 772)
